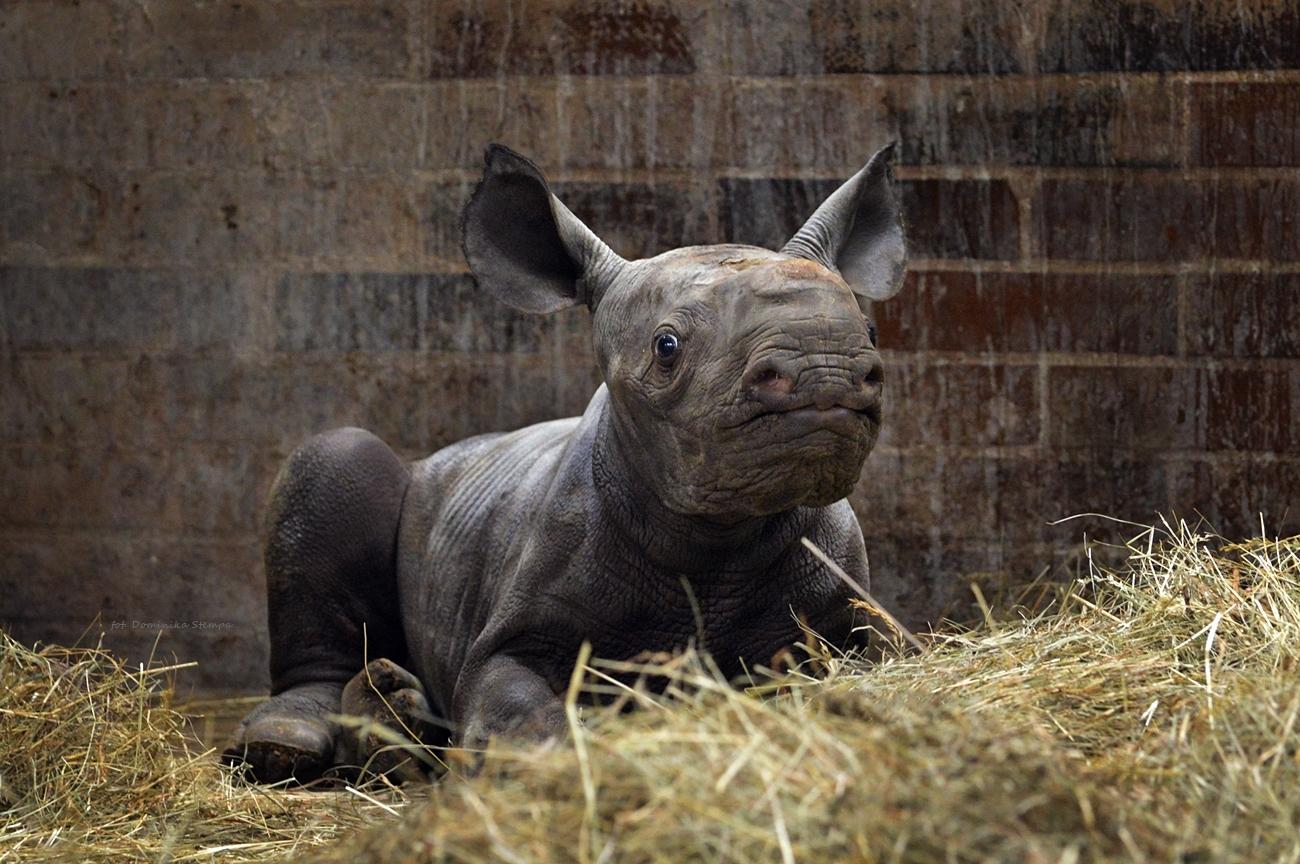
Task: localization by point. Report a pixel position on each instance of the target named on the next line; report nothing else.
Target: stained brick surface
(228, 226)
(1246, 123)
(945, 218)
(1095, 313)
(1171, 218)
(1244, 315)
(478, 40)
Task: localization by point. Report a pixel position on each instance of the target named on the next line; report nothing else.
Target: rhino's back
(467, 506)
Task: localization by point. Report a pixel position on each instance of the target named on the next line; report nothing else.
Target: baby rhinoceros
(742, 393)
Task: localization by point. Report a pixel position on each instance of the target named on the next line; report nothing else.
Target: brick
(127, 310)
(187, 124)
(519, 390)
(1246, 123)
(849, 37)
(977, 406)
(340, 124)
(97, 124)
(60, 40)
(347, 312)
(640, 220)
(223, 489)
(944, 218)
(986, 37)
(1033, 493)
(59, 213)
(1244, 315)
(219, 310)
(85, 309)
(50, 397)
(460, 317)
(1167, 35)
(596, 37)
(838, 123)
(188, 585)
(1145, 408)
(282, 400)
(940, 120)
(406, 312)
(1008, 499)
(1033, 121)
(415, 403)
(592, 122)
(1251, 409)
(1032, 312)
(114, 485)
(263, 39)
(963, 502)
(184, 218)
(43, 124)
(139, 578)
(1169, 219)
(1234, 496)
(197, 123)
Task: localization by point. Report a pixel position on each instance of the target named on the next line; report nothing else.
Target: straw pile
(97, 766)
(1148, 713)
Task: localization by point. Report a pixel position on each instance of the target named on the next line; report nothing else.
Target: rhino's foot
(391, 722)
(289, 736)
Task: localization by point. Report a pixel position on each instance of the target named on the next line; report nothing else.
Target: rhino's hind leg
(386, 710)
(331, 597)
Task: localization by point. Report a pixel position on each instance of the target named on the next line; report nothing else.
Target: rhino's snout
(777, 384)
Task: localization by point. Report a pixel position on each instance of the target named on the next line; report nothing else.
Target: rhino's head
(743, 381)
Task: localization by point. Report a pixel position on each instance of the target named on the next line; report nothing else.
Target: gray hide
(742, 393)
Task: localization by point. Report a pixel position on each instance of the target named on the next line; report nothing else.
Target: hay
(1151, 712)
(96, 765)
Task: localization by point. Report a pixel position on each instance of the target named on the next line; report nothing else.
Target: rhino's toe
(282, 748)
(386, 695)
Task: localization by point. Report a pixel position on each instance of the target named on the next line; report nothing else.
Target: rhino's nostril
(768, 378)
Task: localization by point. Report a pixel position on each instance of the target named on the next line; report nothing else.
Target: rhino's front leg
(510, 700)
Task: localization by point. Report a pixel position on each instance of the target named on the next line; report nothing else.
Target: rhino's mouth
(802, 419)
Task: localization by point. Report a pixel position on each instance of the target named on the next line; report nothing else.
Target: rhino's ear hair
(524, 246)
(858, 231)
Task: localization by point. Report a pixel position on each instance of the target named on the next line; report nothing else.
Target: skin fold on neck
(681, 542)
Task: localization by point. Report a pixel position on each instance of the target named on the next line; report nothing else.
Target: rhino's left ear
(525, 247)
(858, 231)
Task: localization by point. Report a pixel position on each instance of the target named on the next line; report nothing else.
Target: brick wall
(225, 226)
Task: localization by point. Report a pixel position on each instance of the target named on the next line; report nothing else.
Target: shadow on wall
(227, 227)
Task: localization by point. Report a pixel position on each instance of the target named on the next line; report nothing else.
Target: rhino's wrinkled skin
(742, 395)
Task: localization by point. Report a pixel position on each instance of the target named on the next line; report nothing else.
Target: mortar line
(959, 78)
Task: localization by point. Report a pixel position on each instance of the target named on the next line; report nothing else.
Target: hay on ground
(96, 765)
(1150, 712)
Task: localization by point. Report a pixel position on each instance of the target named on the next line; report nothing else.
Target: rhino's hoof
(274, 749)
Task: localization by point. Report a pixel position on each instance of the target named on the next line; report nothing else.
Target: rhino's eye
(666, 346)
(871, 333)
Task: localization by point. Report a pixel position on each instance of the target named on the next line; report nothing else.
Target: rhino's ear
(524, 246)
(858, 231)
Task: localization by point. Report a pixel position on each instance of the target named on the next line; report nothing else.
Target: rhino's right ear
(525, 247)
